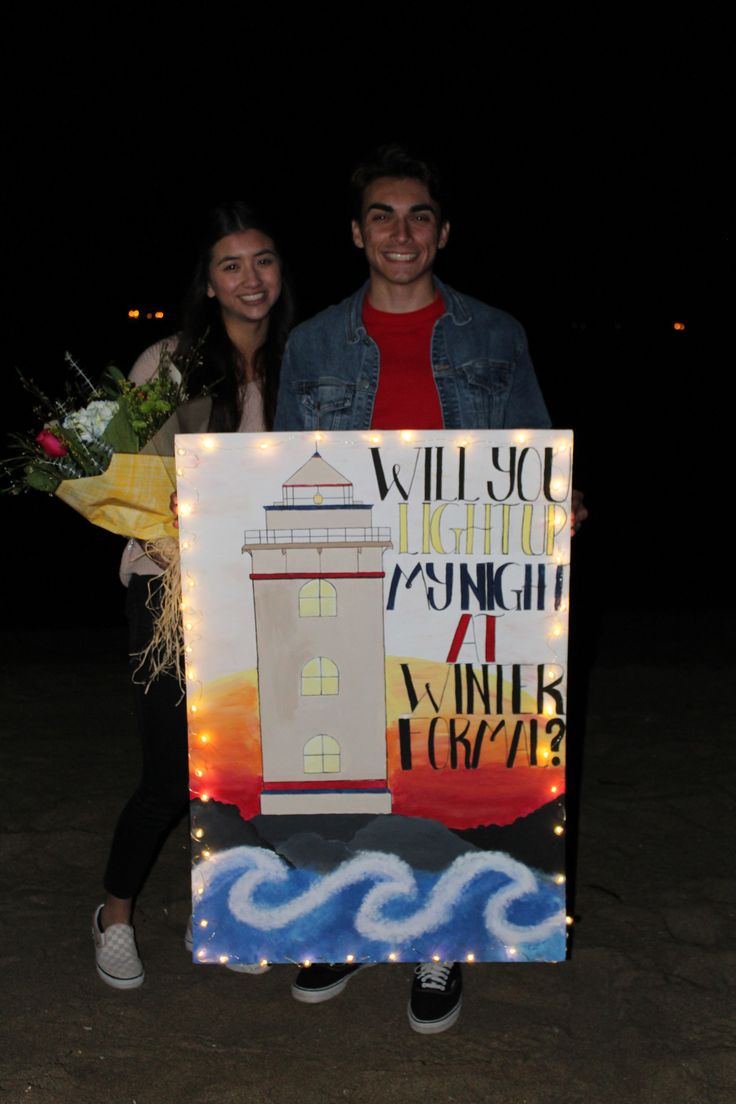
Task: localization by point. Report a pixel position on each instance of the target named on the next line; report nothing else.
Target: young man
(405, 352)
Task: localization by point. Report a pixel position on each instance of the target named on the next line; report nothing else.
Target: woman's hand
(579, 511)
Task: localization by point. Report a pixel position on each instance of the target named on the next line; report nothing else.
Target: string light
(201, 954)
(392, 956)
(520, 438)
(559, 830)
(263, 445)
(307, 962)
(470, 957)
(209, 443)
(560, 879)
(375, 438)
(512, 951)
(569, 921)
(406, 435)
(553, 789)
(223, 959)
(436, 958)
(198, 833)
(349, 958)
(203, 923)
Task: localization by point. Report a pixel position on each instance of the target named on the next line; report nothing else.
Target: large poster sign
(376, 641)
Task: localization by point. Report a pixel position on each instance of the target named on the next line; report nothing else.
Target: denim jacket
(480, 362)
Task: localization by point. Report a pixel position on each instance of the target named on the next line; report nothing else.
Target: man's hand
(579, 511)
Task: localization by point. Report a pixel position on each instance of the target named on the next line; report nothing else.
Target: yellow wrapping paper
(132, 498)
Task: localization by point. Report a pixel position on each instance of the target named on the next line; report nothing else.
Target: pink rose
(51, 444)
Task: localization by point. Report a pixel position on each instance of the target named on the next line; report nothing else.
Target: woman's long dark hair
(203, 338)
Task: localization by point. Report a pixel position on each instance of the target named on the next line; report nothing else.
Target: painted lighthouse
(317, 572)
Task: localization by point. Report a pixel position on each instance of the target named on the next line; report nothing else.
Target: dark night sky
(587, 174)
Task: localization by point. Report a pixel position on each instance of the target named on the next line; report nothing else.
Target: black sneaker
(323, 980)
(436, 997)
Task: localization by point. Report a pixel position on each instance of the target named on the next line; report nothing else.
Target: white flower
(90, 423)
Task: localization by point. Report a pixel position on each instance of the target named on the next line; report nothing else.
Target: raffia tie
(164, 653)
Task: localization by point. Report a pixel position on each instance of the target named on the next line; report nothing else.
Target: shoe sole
(121, 983)
(434, 1027)
(317, 996)
(247, 968)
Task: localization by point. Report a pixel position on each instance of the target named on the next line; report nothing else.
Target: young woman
(237, 315)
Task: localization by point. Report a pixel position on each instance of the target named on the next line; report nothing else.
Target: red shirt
(406, 397)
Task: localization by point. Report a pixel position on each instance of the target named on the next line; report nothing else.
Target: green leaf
(119, 432)
(40, 480)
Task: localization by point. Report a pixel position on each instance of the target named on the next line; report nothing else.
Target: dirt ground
(642, 1012)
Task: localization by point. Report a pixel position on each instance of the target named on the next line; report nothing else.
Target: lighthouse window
(318, 598)
(322, 755)
(320, 676)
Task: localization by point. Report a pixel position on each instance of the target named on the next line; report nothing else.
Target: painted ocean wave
(255, 905)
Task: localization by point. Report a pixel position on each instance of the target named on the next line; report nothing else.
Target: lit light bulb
(559, 830)
(511, 950)
(349, 958)
(206, 854)
(520, 438)
(375, 439)
(436, 958)
(198, 833)
(263, 962)
(201, 954)
(553, 789)
(204, 739)
(470, 957)
(203, 923)
(199, 773)
(204, 798)
(569, 921)
(406, 435)
(392, 956)
(181, 452)
(307, 962)
(560, 879)
(263, 445)
(209, 443)
(223, 959)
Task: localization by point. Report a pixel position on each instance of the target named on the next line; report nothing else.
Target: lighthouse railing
(339, 535)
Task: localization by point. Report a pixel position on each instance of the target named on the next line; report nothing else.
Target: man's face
(400, 230)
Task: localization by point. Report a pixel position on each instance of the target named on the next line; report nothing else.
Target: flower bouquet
(106, 449)
(95, 449)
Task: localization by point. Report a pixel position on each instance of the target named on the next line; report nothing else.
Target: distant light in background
(678, 326)
(134, 314)
(159, 314)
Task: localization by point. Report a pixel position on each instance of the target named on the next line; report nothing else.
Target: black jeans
(162, 796)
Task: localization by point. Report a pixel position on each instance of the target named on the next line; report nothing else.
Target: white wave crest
(393, 881)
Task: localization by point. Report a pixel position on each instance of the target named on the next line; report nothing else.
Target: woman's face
(245, 276)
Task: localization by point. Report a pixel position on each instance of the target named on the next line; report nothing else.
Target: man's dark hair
(396, 161)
